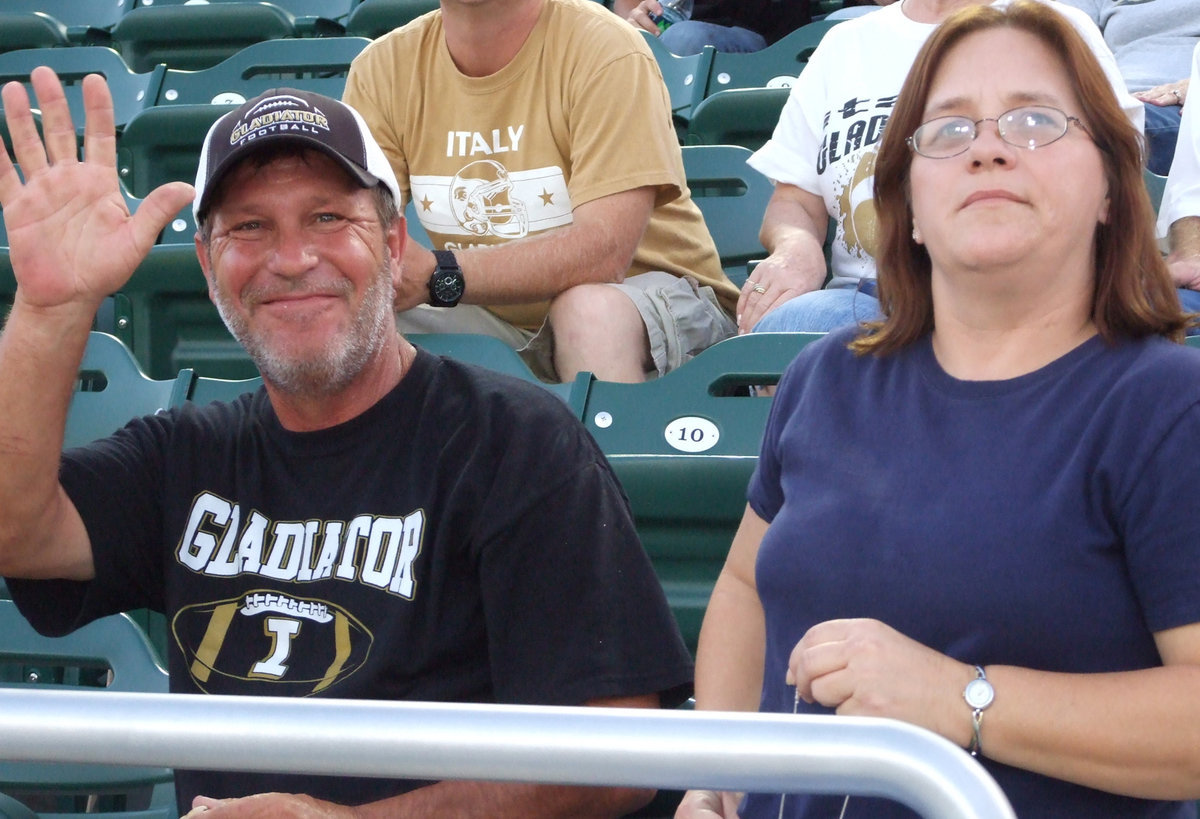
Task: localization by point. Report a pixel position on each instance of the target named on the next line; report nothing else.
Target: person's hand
(866, 668)
(418, 266)
(1171, 93)
(640, 16)
(708, 805)
(72, 239)
(780, 277)
(1185, 271)
(268, 806)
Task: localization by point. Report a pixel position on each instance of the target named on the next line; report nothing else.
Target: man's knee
(593, 310)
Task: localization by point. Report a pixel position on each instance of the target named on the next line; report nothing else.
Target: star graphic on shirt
(426, 203)
(546, 197)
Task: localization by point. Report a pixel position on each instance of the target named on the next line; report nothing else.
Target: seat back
(112, 389)
(685, 78)
(739, 116)
(112, 654)
(162, 144)
(1155, 186)
(732, 196)
(684, 447)
(775, 66)
(374, 18)
(32, 29)
(186, 36)
(97, 14)
(318, 64)
(131, 90)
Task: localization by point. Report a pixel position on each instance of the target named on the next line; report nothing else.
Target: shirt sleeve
(115, 484)
(1161, 528)
(1182, 195)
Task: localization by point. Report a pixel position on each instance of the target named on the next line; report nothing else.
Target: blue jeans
(1162, 130)
(823, 310)
(689, 37)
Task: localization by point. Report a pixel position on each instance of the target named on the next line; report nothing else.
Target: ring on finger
(759, 289)
(1178, 96)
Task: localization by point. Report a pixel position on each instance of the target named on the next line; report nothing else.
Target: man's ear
(205, 260)
(396, 240)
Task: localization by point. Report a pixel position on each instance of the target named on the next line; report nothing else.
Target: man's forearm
(1183, 238)
(40, 351)
(500, 800)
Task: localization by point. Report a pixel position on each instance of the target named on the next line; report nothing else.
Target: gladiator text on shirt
(374, 550)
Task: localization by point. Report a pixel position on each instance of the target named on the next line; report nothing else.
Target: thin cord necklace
(783, 796)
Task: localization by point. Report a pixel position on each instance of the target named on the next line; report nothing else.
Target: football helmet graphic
(482, 201)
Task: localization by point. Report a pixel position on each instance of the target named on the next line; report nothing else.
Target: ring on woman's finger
(759, 289)
(1178, 96)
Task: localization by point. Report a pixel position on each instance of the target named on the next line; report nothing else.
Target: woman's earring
(916, 234)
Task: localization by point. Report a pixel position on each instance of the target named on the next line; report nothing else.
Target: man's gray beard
(342, 359)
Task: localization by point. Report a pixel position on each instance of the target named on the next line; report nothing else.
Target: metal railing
(583, 746)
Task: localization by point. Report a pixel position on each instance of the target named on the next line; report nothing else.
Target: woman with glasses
(977, 515)
(822, 160)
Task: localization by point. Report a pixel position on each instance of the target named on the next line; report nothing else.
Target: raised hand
(72, 239)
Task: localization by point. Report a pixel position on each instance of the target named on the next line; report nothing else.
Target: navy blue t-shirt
(1047, 521)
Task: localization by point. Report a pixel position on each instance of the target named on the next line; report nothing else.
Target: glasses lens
(943, 137)
(1032, 127)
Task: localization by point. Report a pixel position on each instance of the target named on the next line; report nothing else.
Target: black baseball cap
(312, 120)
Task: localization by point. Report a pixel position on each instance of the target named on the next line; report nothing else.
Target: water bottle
(673, 11)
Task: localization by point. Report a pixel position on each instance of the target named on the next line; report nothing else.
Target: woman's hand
(866, 668)
(1171, 93)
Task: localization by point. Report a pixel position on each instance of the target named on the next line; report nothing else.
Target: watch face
(979, 693)
(446, 287)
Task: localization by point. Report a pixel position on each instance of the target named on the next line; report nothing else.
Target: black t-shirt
(771, 18)
(463, 540)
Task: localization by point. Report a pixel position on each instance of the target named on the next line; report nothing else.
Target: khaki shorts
(681, 319)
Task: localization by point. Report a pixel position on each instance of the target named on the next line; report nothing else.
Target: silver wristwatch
(979, 695)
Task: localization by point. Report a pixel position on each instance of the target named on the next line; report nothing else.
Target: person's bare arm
(1184, 259)
(496, 800)
(793, 232)
(637, 12)
(1135, 733)
(597, 246)
(729, 657)
(72, 242)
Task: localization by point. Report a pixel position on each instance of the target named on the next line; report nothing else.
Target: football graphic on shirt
(287, 645)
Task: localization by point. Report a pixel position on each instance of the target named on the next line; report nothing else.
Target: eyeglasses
(1031, 126)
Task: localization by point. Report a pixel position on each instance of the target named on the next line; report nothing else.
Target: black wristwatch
(446, 285)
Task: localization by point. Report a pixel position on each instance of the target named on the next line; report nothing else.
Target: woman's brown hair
(1133, 296)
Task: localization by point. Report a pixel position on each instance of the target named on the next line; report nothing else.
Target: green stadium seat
(12, 809)
(162, 144)
(131, 90)
(112, 389)
(31, 30)
(685, 78)
(739, 116)
(317, 64)
(186, 36)
(75, 14)
(777, 65)
(374, 18)
(1155, 186)
(112, 654)
(684, 447)
(732, 196)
